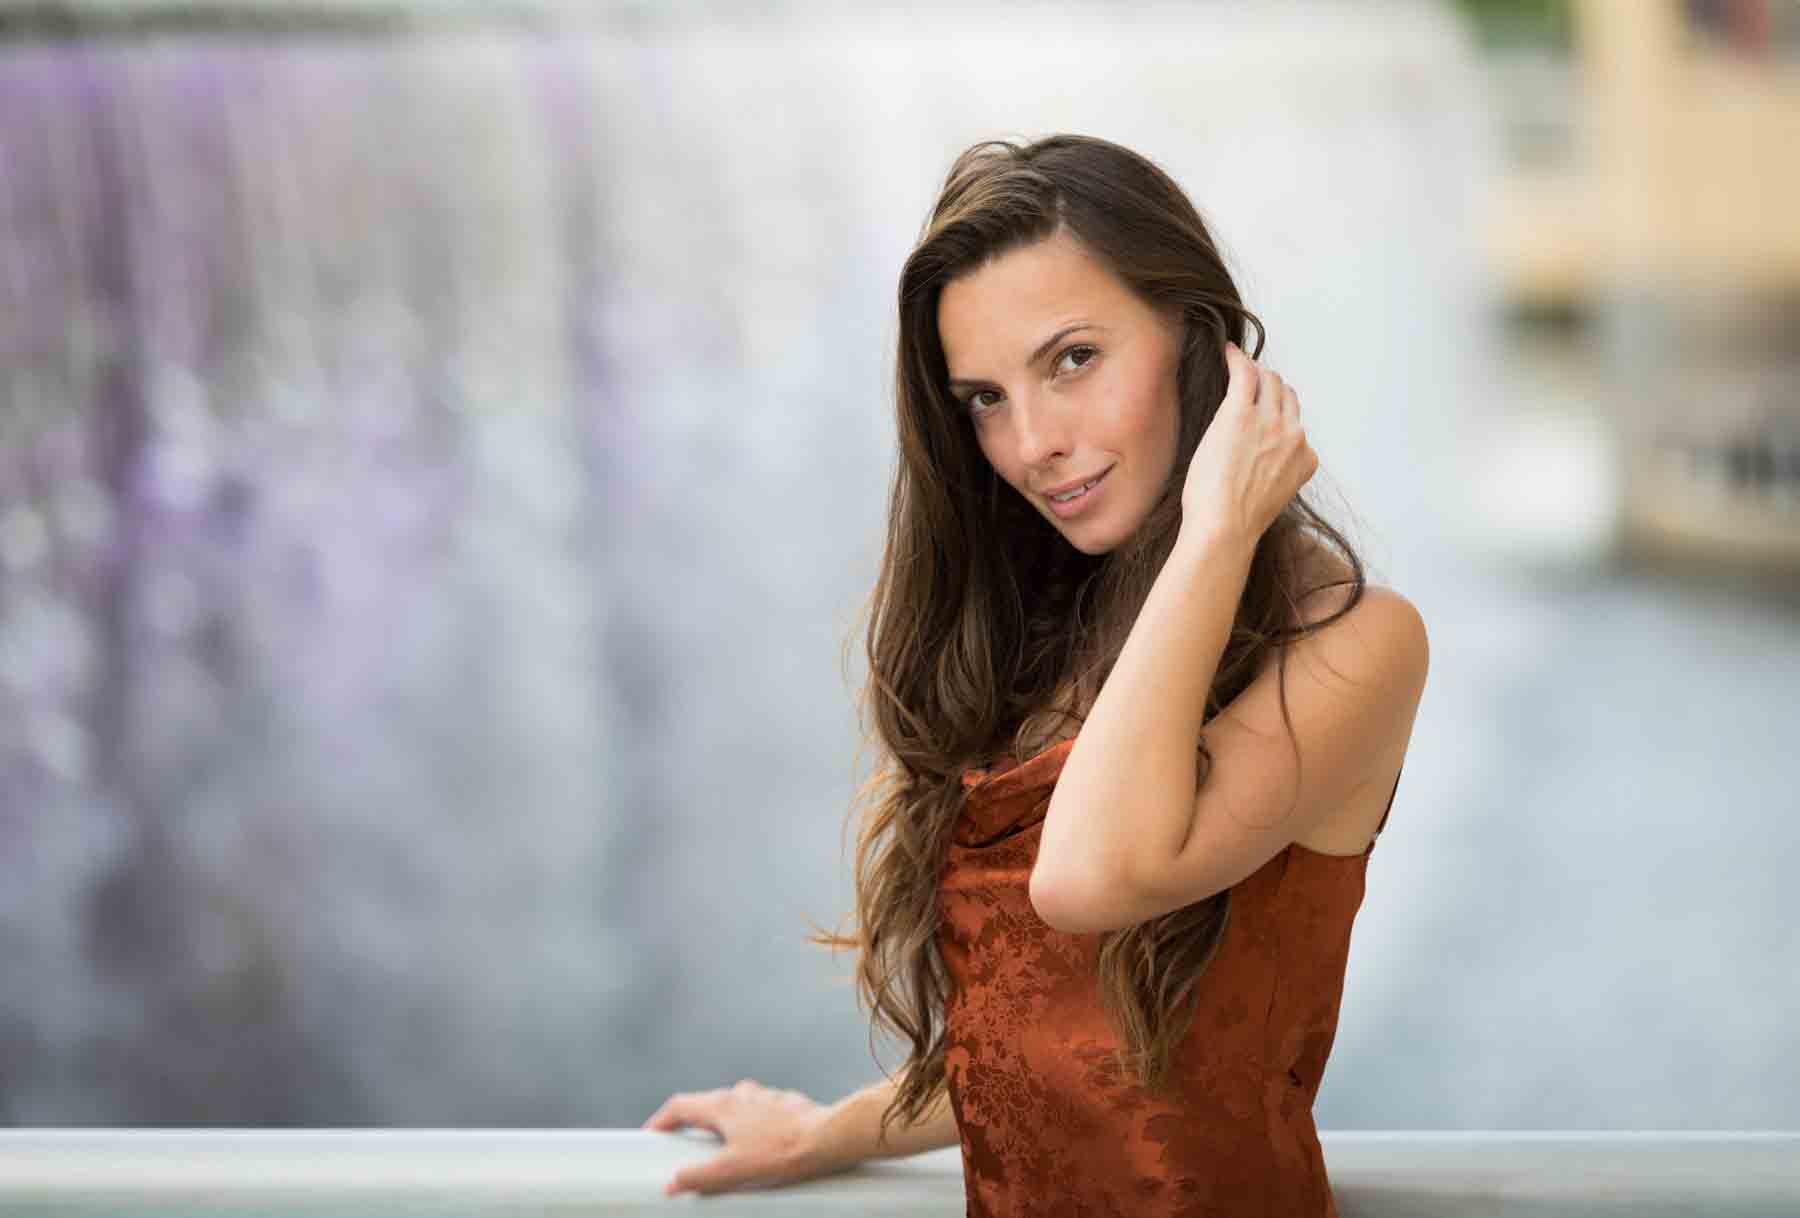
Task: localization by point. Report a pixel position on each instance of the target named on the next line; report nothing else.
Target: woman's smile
(1080, 499)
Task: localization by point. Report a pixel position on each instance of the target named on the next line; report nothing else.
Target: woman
(1118, 961)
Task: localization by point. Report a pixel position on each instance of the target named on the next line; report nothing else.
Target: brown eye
(1090, 351)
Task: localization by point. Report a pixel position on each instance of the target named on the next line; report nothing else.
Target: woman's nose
(1042, 431)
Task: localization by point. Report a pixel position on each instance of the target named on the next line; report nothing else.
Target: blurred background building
(443, 452)
(1647, 194)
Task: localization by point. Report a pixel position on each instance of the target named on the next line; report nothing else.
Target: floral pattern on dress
(1050, 1125)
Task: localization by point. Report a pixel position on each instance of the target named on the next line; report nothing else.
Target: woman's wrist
(1206, 546)
(839, 1137)
(849, 1132)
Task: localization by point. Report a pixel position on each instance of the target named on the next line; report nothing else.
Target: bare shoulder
(1382, 639)
(1325, 586)
(1325, 577)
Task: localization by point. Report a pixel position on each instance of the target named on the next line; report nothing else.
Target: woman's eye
(974, 402)
(1089, 351)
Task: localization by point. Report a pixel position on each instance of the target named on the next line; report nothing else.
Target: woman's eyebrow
(1043, 349)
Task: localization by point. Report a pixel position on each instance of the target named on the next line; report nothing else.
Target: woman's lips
(1081, 502)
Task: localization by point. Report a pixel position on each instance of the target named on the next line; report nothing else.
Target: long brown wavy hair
(987, 629)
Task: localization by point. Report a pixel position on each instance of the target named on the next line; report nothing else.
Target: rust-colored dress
(1050, 1127)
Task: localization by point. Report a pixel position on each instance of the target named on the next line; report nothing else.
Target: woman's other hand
(769, 1137)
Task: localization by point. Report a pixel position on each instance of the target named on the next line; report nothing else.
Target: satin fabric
(1049, 1125)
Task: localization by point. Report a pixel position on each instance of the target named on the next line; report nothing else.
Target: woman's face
(1066, 376)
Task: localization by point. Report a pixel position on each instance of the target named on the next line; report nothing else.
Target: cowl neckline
(999, 801)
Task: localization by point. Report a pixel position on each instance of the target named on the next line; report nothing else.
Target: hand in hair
(1253, 459)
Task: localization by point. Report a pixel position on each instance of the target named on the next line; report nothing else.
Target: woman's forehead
(1004, 309)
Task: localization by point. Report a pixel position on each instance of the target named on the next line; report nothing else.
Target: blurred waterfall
(308, 459)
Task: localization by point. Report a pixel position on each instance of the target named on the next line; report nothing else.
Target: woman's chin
(1095, 534)
(1093, 542)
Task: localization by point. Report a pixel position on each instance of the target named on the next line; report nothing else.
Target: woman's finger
(1269, 391)
(659, 1118)
(662, 1118)
(718, 1174)
(684, 1109)
(1242, 373)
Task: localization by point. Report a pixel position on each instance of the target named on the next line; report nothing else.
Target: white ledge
(161, 1173)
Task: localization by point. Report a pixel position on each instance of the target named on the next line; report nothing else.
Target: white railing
(440, 1173)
